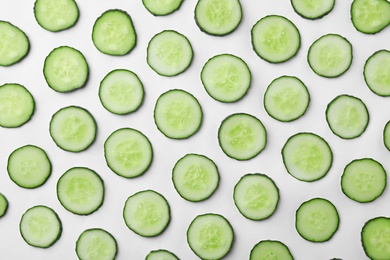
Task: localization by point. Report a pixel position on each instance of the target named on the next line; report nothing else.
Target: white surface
(345, 243)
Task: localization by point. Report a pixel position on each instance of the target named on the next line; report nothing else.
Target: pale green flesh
(386, 135)
(370, 16)
(312, 9)
(161, 7)
(3, 205)
(377, 73)
(218, 17)
(14, 44)
(270, 250)
(29, 166)
(161, 255)
(96, 244)
(56, 15)
(376, 238)
(16, 105)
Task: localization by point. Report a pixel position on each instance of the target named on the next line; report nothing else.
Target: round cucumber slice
(386, 135)
(96, 244)
(312, 10)
(270, 249)
(162, 7)
(374, 237)
(3, 205)
(376, 73)
(370, 16)
(14, 44)
(161, 254)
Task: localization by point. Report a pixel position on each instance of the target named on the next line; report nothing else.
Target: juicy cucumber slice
(256, 196)
(162, 7)
(218, 17)
(56, 15)
(376, 73)
(374, 238)
(275, 38)
(226, 77)
(161, 254)
(286, 98)
(96, 244)
(195, 177)
(73, 129)
(65, 69)
(242, 136)
(307, 156)
(14, 44)
(311, 9)
(347, 116)
(317, 220)
(169, 53)
(270, 249)
(330, 55)
(370, 16)
(363, 180)
(3, 205)
(147, 213)
(29, 167)
(17, 105)
(386, 135)
(113, 33)
(210, 236)
(40, 226)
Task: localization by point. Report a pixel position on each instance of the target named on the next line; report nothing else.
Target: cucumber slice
(374, 237)
(242, 136)
(29, 167)
(275, 39)
(178, 114)
(162, 7)
(347, 116)
(161, 254)
(73, 129)
(210, 236)
(317, 220)
(40, 226)
(195, 177)
(270, 249)
(218, 17)
(363, 180)
(256, 196)
(14, 44)
(65, 69)
(226, 78)
(96, 244)
(307, 156)
(113, 33)
(376, 73)
(370, 16)
(386, 135)
(17, 105)
(121, 92)
(80, 190)
(330, 55)
(56, 15)
(3, 205)
(312, 10)
(286, 99)
(128, 152)
(169, 53)
(147, 213)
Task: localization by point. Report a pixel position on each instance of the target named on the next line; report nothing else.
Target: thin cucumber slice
(65, 69)
(17, 105)
(363, 180)
(14, 44)
(195, 177)
(226, 78)
(317, 220)
(128, 152)
(270, 249)
(113, 33)
(275, 39)
(374, 237)
(40, 226)
(169, 53)
(29, 167)
(147, 213)
(307, 156)
(330, 55)
(242, 136)
(3, 205)
(370, 16)
(286, 99)
(210, 236)
(218, 17)
(256, 196)
(121, 92)
(56, 15)
(178, 114)
(347, 116)
(376, 73)
(96, 244)
(386, 135)
(161, 254)
(80, 190)
(312, 10)
(162, 7)
(73, 129)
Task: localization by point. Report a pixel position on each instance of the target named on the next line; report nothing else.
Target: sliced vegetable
(96, 244)
(370, 16)
(270, 249)
(374, 237)
(14, 44)
(162, 7)
(3, 205)
(376, 73)
(161, 254)
(310, 9)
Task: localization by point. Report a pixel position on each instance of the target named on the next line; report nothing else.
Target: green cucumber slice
(374, 238)
(14, 44)
(162, 7)
(270, 249)
(312, 10)
(370, 16)
(161, 254)
(376, 73)
(386, 135)
(3, 205)
(96, 244)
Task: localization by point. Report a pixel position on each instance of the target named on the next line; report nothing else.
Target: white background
(345, 243)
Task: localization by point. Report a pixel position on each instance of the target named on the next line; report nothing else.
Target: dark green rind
(272, 241)
(370, 221)
(26, 52)
(160, 250)
(365, 76)
(362, 30)
(164, 14)
(2, 214)
(314, 17)
(98, 229)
